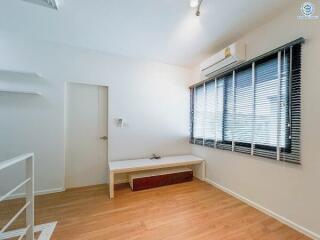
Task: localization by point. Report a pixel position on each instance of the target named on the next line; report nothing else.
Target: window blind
(199, 114)
(253, 108)
(210, 111)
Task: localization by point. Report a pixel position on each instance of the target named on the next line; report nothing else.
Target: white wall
(288, 190)
(152, 98)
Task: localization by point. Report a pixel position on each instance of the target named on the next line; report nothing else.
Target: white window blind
(210, 111)
(254, 108)
(199, 112)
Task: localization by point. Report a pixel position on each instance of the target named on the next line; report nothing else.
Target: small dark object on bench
(155, 156)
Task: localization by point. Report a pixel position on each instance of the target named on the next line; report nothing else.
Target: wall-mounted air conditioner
(223, 60)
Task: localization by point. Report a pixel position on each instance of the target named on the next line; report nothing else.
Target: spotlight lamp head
(196, 4)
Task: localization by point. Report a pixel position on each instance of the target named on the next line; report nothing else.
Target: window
(254, 108)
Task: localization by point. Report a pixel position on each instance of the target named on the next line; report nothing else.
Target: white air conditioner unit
(223, 60)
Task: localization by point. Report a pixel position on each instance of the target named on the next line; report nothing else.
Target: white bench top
(146, 163)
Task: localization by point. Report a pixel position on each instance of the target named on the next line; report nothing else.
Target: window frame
(288, 124)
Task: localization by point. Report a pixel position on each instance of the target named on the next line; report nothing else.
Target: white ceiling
(160, 30)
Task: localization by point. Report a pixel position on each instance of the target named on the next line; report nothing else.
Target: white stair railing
(29, 205)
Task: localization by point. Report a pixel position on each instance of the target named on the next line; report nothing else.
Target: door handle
(104, 138)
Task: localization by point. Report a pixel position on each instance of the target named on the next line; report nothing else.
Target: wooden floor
(187, 211)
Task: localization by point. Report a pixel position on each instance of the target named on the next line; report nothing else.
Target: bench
(127, 166)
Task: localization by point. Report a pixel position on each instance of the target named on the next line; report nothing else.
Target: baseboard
(270, 213)
(200, 178)
(37, 193)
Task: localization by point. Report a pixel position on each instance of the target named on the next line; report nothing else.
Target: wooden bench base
(157, 178)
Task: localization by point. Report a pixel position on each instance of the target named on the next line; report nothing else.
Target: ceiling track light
(54, 4)
(196, 4)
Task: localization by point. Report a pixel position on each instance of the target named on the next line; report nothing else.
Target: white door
(86, 135)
